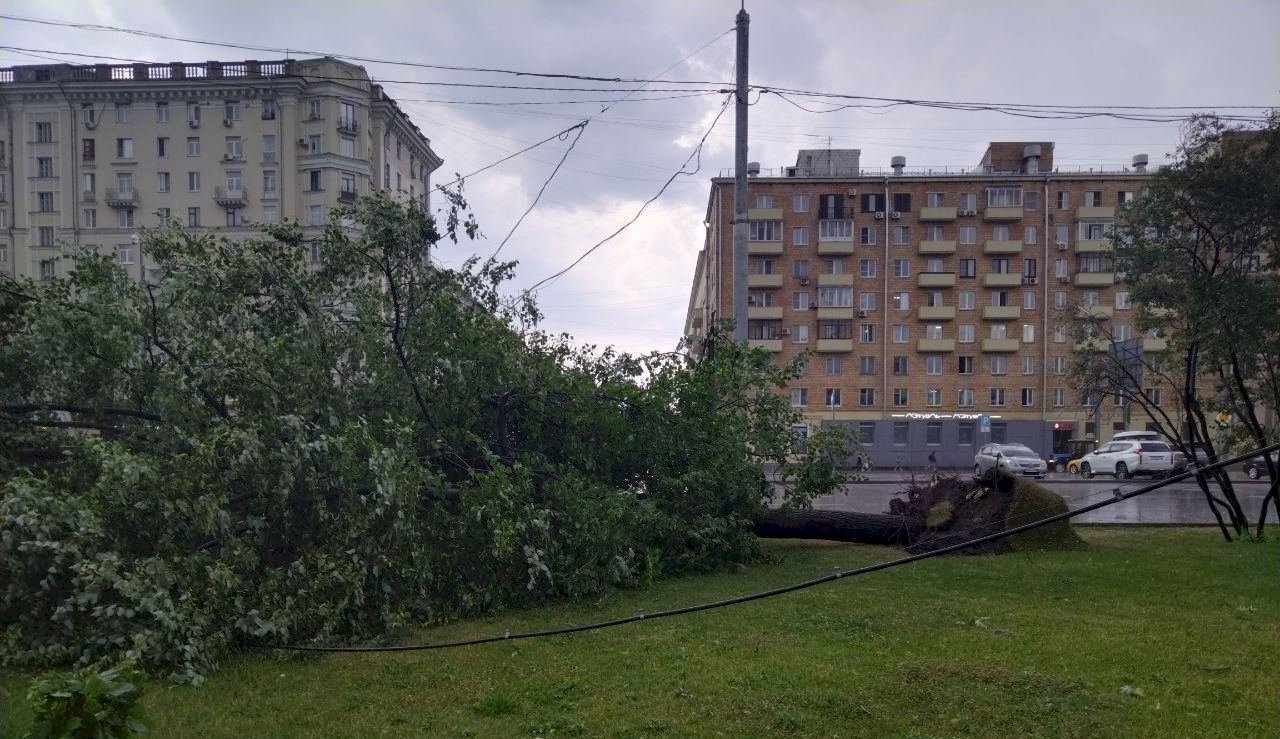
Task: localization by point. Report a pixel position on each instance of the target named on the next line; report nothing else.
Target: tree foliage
(254, 449)
(1199, 252)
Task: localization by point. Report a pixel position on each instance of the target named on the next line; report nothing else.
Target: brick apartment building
(90, 153)
(929, 298)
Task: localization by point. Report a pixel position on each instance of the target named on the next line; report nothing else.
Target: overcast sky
(632, 292)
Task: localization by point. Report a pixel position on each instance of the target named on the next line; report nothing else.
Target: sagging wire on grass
(1117, 497)
(695, 154)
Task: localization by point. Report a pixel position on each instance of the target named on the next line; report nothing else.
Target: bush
(88, 703)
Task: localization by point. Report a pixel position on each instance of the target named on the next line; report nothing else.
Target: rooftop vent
(1140, 162)
(1031, 158)
(898, 163)
(753, 169)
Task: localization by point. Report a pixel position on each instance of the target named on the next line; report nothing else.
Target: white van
(1137, 436)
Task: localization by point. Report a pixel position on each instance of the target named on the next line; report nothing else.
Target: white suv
(1128, 458)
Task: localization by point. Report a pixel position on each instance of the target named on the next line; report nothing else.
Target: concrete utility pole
(740, 186)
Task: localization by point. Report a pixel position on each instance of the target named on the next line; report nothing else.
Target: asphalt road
(1180, 503)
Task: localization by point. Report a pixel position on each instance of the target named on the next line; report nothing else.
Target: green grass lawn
(1149, 632)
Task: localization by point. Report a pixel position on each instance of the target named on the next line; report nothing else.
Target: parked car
(1070, 459)
(1124, 459)
(1016, 459)
(1256, 468)
(1137, 436)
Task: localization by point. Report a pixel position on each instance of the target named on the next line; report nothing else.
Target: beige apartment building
(88, 154)
(935, 302)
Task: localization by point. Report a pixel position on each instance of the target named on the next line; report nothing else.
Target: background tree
(252, 448)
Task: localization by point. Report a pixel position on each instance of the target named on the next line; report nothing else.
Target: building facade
(88, 154)
(935, 303)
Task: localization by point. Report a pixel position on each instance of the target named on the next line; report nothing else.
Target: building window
(867, 333)
(268, 181)
(933, 364)
(1064, 200)
(1153, 395)
(764, 201)
(900, 365)
(832, 365)
(965, 365)
(1059, 365)
(163, 215)
(270, 214)
(1000, 233)
(1029, 234)
(193, 182)
(88, 114)
(901, 433)
(235, 180)
(1060, 334)
(933, 399)
(1028, 333)
(758, 230)
(1004, 197)
(832, 397)
(867, 236)
(1031, 201)
(193, 114)
(866, 397)
(193, 217)
(268, 109)
(999, 365)
(162, 146)
(866, 302)
(867, 432)
(866, 268)
(934, 199)
(902, 202)
(800, 204)
(315, 183)
(999, 331)
(193, 146)
(965, 333)
(231, 110)
(900, 396)
(1059, 397)
(901, 235)
(964, 397)
(799, 397)
(313, 110)
(800, 301)
(269, 148)
(44, 133)
(1028, 365)
(48, 270)
(314, 144)
(965, 433)
(866, 365)
(968, 268)
(315, 215)
(124, 113)
(968, 201)
(835, 297)
(1092, 198)
(1028, 300)
(997, 397)
(799, 237)
(45, 202)
(124, 218)
(901, 301)
(761, 266)
(1122, 300)
(162, 112)
(800, 334)
(833, 266)
(235, 148)
(968, 234)
(162, 182)
(124, 148)
(999, 432)
(44, 166)
(1028, 397)
(1060, 269)
(347, 184)
(46, 235)
(386, 176)
(235, 217)
(900, 333)
(902, 268)
(124, 254)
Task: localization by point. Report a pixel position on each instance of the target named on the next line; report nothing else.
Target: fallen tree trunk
(861, 528)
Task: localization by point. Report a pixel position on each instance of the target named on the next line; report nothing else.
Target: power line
(371, 60)
(1117, 497)
(580, 128)
(697, 152)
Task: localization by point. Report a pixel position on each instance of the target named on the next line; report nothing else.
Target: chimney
(1139, 162)
(898, 163)
(1031, 158)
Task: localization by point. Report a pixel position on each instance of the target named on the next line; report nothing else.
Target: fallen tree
(937, 513)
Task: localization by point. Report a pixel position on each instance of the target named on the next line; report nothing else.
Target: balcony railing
(120, 197)
(347, 196)
(347, 125)
(88, 196)
(230, 196)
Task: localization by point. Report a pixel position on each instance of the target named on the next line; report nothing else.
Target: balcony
(835, 229)
(1095, 211)
(349, 196)
(348, 125)
(758, 280)
(937, 247)
(935, 345)
(937, 214)
(999, 346)
(936, 279)
(1095, 311)
(764, 214)
(835, 345)
(764, 312)
(4, 196)
(835, 248)
(118, 197)
(936, 313)
(840, 280)
(1002, 279)
(88, 196)
(1088, 246)
(769, 345)
(230, 197)
(1155, 345)
(1001, 312)
(1003, 213)
(834, 314)
(1095, 279)
(753, 247)
(1002, 247)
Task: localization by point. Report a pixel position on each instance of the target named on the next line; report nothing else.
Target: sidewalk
(882, 476)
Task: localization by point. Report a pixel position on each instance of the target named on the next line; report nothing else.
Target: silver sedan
(1015, 459)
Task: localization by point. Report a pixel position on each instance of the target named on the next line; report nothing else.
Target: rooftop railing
(842, 172)
(134, 72)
